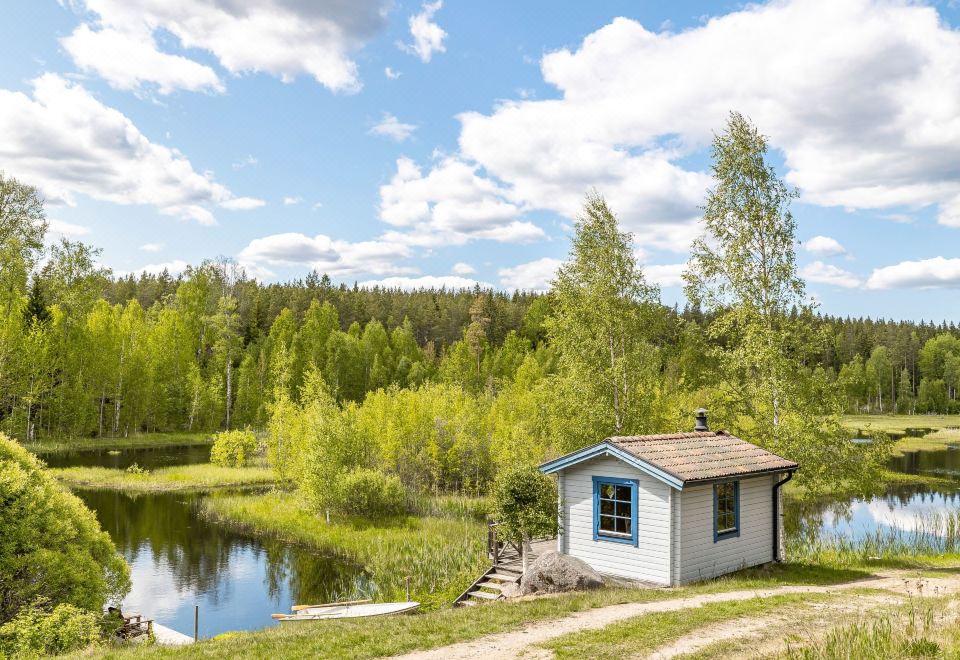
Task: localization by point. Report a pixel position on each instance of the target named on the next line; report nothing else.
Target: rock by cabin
(671, 509)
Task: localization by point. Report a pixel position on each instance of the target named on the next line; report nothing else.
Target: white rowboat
(348, 611)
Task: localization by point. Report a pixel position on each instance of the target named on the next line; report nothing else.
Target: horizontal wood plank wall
(700, 556)
(650, 559)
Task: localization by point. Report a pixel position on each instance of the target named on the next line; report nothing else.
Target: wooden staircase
(506, 569)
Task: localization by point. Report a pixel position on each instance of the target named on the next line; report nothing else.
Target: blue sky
(426, 143)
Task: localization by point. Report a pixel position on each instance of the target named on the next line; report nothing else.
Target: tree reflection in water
(178, 559)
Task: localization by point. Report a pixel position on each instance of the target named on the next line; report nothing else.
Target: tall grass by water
(198, 477)
(932, 535)
(442, 555)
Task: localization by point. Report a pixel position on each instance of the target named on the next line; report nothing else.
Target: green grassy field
(201, 477)
(141, 440)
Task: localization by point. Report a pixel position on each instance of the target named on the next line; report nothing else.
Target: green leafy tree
(742, 272)
(51, 545)
(524, 506)
(603, 314)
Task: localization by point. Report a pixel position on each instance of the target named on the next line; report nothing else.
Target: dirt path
(518, 642)
(766, 631)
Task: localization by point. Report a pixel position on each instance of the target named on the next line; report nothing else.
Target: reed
(200, 477)
(934, 535)
(440, 554)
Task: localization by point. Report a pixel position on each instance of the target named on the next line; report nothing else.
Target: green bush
(37, 631)
(51, 545)
(233, 448)
(366, 492)
(525, 504)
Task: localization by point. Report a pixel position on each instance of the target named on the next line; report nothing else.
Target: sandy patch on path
(513, 644)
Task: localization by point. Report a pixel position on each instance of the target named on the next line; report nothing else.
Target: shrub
(525, 504)
(371, 493)
(51, 545)
(233, 448)
(36, 631)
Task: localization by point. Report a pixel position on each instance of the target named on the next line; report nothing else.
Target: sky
(451, 143)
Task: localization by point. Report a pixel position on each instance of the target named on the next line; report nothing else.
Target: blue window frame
(615, 510)
(726, 510)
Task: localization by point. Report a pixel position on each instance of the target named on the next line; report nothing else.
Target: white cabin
(671, 509)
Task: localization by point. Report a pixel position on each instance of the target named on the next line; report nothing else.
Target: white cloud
(425, 282)
(391, 127)
(450, 206)
(461, 268)
(532, 276)
(152, 247)
(320, 252)
(242, 203)
(427, 35)
(285, 38)
(174, 267)
(934, 273)
(67, 143)
(246, 161)
(665, 274)
(824, 245)
(290, 201)
(66, 229)
(391, 74)
(128, 60)
(869, 118)
(829, 274)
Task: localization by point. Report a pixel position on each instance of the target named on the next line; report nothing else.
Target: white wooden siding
(650, 559)
(700, 556)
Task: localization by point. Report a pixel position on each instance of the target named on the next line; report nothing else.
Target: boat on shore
(346, 611)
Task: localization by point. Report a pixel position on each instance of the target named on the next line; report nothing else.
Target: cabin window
(615, 510)
(726, 510)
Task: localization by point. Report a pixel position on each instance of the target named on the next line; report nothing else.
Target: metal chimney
(701, 420)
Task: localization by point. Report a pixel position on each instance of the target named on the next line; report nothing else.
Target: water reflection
(149, 458)
(177, 560)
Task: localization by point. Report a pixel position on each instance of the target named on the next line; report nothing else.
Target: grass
(646, 633)
(357, 639)
(923, 628)
(441, 553)
(200, 477)
(62, 445)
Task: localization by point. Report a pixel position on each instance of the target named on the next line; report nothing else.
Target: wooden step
(503, 577)
(486, 595)
(469, 603)
(491, 585)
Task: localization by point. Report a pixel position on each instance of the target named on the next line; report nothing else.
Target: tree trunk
(103, 396)
(229, 384)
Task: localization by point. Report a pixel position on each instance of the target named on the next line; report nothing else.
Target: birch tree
(743, 272)
(603, 314)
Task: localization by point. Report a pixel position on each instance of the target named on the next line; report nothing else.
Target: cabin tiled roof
(701, 455)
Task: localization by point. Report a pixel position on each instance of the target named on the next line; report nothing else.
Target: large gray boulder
(553, 572)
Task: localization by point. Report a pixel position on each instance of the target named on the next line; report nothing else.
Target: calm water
(148, 458)
(178, 560)
(898, 507)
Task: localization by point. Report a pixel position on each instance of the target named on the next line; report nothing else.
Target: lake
(179, 560)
